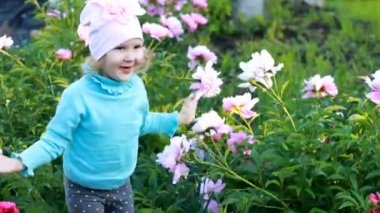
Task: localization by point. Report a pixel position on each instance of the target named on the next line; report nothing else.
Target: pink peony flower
(374, 84)
(63, 54)
(173, 24)
(54, 13)
(319, 87)
(260, 69)
(210, 120)
(193, 20)
(236, 138)
(200, 54)
(162, 2)
(199, 18)
(190, 22)
(154, 10)
(374, 198)
(179, 4)
(173, 153)
(156, 31)
(8, 207)
(240, 104)
(209, 82)
(212, 206)
(156, 7)
(5, 42)
(180, 170)
(200, 3)
(208, 187)
(171, 157)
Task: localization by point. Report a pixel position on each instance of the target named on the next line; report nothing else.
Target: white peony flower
(260, 68)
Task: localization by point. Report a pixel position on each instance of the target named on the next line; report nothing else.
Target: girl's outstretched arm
(167, 123)
(58, 133)
(10, 165)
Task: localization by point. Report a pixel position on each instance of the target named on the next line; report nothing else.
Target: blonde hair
(141, 67)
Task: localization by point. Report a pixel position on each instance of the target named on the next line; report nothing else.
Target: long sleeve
(58, 133)
(160, 123)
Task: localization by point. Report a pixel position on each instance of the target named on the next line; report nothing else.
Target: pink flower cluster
(63, 54)
(317, 87)
(374, 198)
(213, 123)
(238, 138)
(214, 126)
(207, 189)
(156, 31)
(162, 7)
(241, 105)
(209, 83)
(171, 157)
(193, 21)
(261, 68)
(200, 55)
(173, 25)
(8, 207)
(374, 84)
(170, 26)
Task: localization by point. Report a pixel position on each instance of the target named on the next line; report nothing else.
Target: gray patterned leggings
(80, 199)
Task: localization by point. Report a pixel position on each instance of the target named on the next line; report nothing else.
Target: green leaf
(317, 210)
(360, 198)
(283, 88)
(354, 182)
(336, 177)
(357, 118)
(338, 188)
(310, 192)
(373, 174)
(61, 82)
(354, 99)
(346, 204)
(334, 108)
(270, 182)
(347, 198)
(256, 158)
(297, 189)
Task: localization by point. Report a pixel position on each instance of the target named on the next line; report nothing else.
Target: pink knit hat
(105, 24)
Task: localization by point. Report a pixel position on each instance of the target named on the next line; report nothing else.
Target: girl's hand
(189, 107)
(10, 165)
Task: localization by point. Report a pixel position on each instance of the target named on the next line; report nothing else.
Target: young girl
(100, 117)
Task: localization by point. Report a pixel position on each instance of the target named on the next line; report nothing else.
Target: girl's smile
(120, 63)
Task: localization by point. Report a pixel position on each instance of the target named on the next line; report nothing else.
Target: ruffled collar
(110, 86)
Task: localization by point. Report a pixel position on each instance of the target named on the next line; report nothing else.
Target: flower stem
(277, 98)
(13, 58)
(283, 105)
(238, 177)
(224, 166)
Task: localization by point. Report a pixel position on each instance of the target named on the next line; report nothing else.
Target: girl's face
(120, 63)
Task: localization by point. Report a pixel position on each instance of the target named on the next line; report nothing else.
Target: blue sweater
(96, 126)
